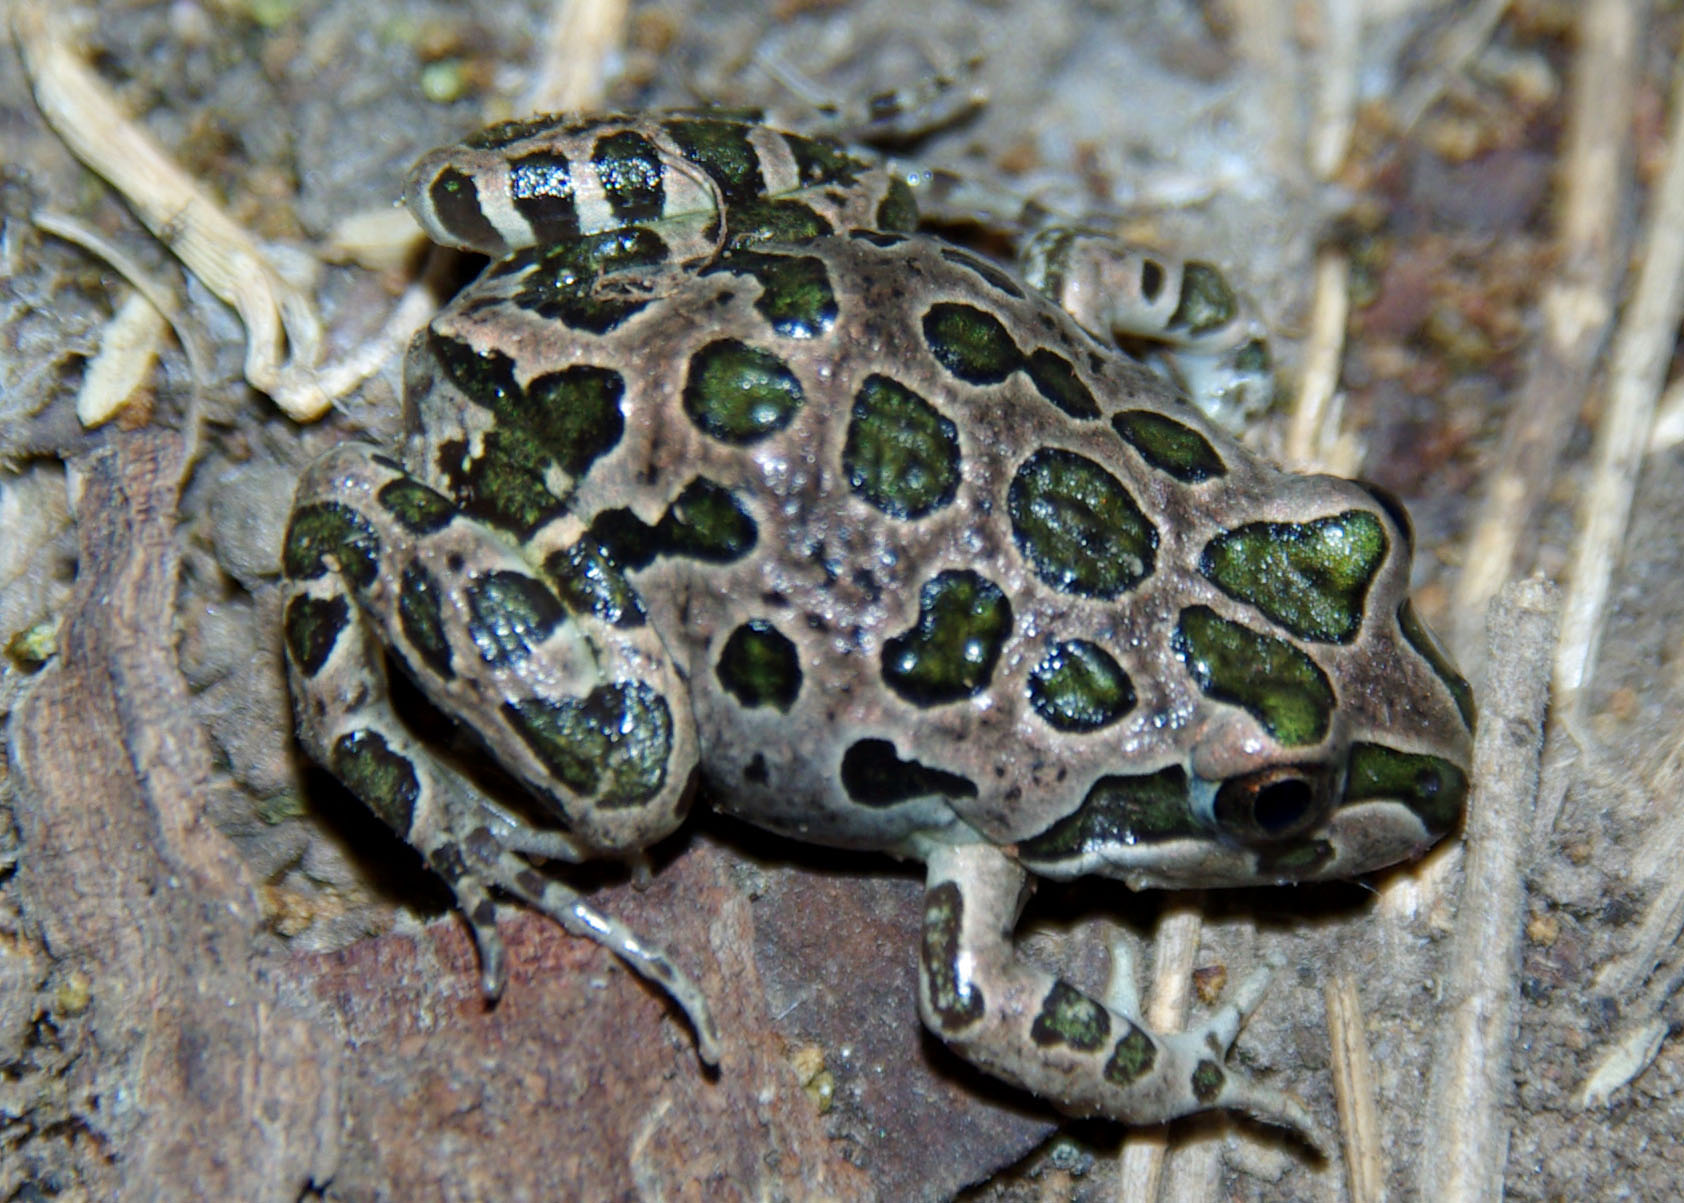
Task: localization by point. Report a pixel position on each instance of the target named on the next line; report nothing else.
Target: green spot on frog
(613, 744)
(1294, 860)
(541, 188)
(1422, 639)
(1056, 379)
(759, 666)
(955, 999)
(796, 298)
(971, 343)
(1119, 811)
(587, 283)
(421, 510)
(1253, 358)
(820, 161)
(329, 528)
(900, 455)
(740, 394)
(632, 177)
(897, 210)
(779, 220)
(384, 780)
(1431, 786)
(422, 619)
(1169, 446)
(705, 522)
(1071, 1018)
(1279, 685)
(950, 652)
(1131, 1059)
(1078, 526)
(312, 627)
(560, 420)
(510, 614)
(1311, 577)
(507, 133)
(500, 484)
(1207, 302)
(1079, 687)
(573, 415)
(873, 774)
(983, 270)
(589, 582)
(723, 150)
(454, 200)
(1208, 1079)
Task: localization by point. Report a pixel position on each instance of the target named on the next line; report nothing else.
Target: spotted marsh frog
(723, 474)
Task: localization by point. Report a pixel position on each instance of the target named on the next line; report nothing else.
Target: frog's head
(1326, 733)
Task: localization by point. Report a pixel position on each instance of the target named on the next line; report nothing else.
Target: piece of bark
(191, 1075)
(582, 1082)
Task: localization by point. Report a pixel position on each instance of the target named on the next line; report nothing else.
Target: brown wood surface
(190, 1075)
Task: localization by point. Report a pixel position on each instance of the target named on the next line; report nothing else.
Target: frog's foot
(1033, 1029)
(1239, 1093)
(483, 856)
(553, 898)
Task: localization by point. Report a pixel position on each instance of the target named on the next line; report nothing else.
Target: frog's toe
(561, 903)
(493, 962)
(475, 903)
(1239, 1093)
(1223, 1028)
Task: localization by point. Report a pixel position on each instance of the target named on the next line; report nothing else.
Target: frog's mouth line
(1355, 839)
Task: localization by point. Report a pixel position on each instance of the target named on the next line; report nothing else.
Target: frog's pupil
(1281, 804)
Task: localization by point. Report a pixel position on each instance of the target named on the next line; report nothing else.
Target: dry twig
(1465, 1129)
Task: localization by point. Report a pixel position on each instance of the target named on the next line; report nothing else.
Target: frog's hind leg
(346, 722)
(1182, 314)
(895, 117)
(593, 720)
(1025, 1025)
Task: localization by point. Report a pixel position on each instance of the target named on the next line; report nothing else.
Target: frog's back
(934, 561)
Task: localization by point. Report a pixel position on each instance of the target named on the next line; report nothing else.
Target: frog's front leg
(1029, 1027)
(591, 717)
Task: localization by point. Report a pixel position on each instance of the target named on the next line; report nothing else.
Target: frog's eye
(1273, 804)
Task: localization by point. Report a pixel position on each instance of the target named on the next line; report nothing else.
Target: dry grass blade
(1642, 349)
(1629, 1057)
(1354, 1089)
(1577, 309)
(1336, 92)
(179, 213)
(1656, 935)
(582, 40)
(1313, 441)
(128, 349)
(1466, 36)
